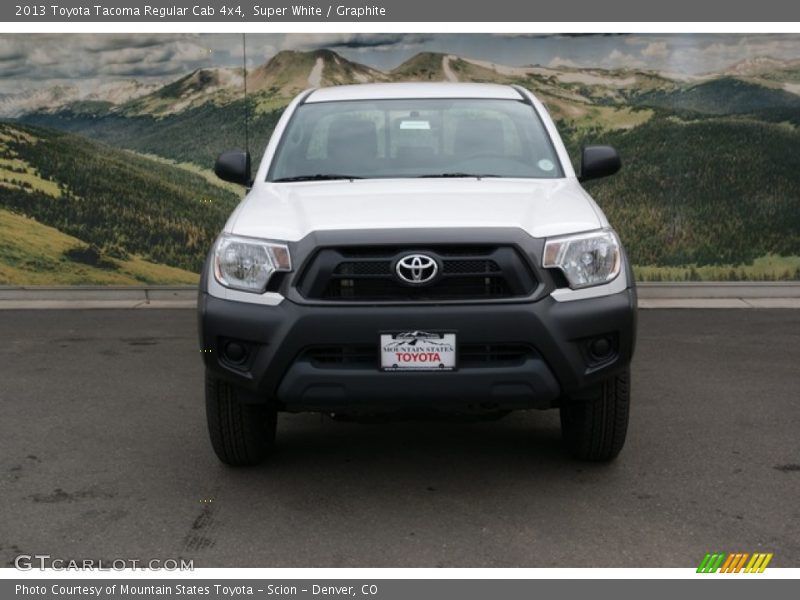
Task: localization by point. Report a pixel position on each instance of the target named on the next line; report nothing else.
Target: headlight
(247, 263)
(585, 259)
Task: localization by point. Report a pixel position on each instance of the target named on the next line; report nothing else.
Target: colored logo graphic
(734, 563)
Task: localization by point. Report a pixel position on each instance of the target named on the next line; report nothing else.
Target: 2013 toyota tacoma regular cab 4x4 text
(416, 246)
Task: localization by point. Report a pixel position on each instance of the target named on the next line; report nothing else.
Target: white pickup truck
(416, 247)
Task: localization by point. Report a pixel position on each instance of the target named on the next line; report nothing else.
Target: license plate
(418, 351)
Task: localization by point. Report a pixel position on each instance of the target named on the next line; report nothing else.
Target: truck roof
(382, 91)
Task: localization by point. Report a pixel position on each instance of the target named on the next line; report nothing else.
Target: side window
(317, 148)
(513, 143)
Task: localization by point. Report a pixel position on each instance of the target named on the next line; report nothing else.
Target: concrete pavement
(104, 454)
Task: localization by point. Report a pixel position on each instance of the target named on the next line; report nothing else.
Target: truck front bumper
(267, 351)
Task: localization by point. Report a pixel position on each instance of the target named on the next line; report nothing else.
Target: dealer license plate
(418, 351)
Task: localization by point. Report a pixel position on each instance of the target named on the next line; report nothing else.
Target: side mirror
(598, 161)
(234, 166)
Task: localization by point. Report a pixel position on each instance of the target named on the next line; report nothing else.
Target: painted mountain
(710, 187)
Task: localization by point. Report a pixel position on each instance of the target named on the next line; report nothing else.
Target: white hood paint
(290, 211)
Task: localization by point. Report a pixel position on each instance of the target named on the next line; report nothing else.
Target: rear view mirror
(234, 166)
(598, 161)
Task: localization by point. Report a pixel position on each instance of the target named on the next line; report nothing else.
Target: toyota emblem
(416, 269)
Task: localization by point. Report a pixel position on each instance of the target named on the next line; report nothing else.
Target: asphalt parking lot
(104, 454)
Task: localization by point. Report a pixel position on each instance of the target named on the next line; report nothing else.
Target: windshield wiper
(316, 177)
(458, 174)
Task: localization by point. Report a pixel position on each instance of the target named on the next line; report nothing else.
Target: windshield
(414, 138)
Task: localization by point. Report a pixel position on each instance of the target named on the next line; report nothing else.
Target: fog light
(235, 353)
(601, 348)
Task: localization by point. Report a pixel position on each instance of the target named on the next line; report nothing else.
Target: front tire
(593, 427)
(242, 434)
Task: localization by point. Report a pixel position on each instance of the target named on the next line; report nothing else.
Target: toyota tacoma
(416, 247)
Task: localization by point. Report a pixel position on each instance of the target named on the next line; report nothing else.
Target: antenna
(246, 111)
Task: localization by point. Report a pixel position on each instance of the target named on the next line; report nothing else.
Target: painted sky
(31, 61)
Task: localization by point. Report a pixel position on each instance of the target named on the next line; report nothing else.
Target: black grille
(344, 355)
(468, 355)
(470, 267)
(368, 274)
(379, 250)
(371, 267)
(493, 355)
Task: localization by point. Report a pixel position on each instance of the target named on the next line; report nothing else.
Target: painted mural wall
(107, 141)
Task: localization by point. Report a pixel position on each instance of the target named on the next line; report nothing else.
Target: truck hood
(290, 211)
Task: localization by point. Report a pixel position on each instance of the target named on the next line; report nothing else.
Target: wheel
(242, 434)
(593, 426)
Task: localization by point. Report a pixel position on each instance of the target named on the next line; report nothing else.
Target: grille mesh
(367, 355)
